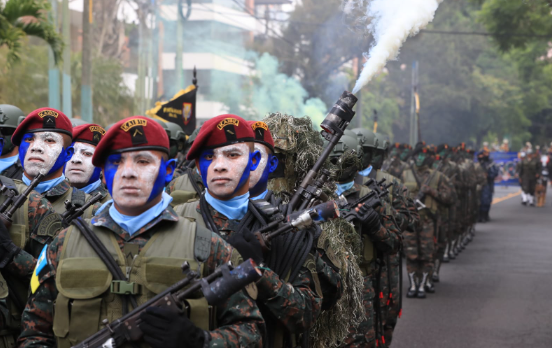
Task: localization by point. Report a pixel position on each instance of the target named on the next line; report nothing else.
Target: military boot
(531, 200)
(523, 198)
(413, 285)
(421, 286)
(446, 254)
(436, 269)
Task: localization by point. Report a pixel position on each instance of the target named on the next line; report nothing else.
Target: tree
(21, 18)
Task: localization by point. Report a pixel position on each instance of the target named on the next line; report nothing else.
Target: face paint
(225, 170)
(377, 161)
(135, 178)
(79, 169)
(404, 154)
(43, 152)
(420, 159)
(259, 177)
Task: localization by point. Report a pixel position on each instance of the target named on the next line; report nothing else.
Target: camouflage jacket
(239, 320)
(183, 182)
(396, 167)
(295, 305)
(57, 191)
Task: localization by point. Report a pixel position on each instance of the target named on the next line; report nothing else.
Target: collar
(344, 187)
(44, 186)
(7, 162)
(133, 224)
(261, 196)
(366, 171)
(233, 209)
(93, 186)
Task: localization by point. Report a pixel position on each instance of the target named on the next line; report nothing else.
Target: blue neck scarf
(45, 185)
(132, 224)
(234, 209)
(366, 171)
(261, 196)
(92, 186)
(344, 187)
(7, 162)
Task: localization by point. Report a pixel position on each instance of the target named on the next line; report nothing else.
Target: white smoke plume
(391, 23)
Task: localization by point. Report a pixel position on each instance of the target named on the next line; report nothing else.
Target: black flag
(181, 109)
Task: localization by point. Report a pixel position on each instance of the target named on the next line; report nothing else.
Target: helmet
(346, 157)
(382, 142)
(345, 143)
(366, 137)
(177, 137)
(10, 117)
(77, 121)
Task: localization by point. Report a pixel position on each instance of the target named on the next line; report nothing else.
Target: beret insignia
(227, 122)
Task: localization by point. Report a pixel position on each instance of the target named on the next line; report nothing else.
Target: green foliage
(21, 18)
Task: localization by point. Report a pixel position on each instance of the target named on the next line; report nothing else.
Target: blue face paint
(1, 145)
(64, 156)
(112, 165)
(271, 165)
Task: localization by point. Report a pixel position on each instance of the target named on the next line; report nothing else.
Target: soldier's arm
(400, 205)
(239, 319)
(388, 237)
(329, 275)
(295, 305)
(38, 316)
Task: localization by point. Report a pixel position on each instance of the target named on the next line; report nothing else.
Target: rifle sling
(105, 256)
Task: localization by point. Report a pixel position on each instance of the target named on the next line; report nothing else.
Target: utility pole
(66, 75)
(86, 79)
(53, 70)
(414, 124)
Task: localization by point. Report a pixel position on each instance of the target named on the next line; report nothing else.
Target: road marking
(511, 195)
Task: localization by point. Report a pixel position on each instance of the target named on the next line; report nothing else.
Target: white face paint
(135, 177)
(43, 152)
(226, 169)
(257, 173)
(80, 168)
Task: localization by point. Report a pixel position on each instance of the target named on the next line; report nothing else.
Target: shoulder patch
(50, 225)
(41, 267)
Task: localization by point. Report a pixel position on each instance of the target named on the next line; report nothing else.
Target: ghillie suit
(297, 147)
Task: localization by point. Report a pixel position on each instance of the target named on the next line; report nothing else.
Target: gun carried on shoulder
(372, 199)
(333, 127)
(73, 211)
(216, 287)
(418, 200)
(15, 201)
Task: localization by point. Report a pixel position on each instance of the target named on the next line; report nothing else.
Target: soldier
(289, 293)
(44, 139)
(530, 169)
(138, 229)
(396, 164)
(177, 139)
(10, 117)
(430, 189)
(187, 177)
(264, 143)
(487, 190)
(380, 236)
(79, 170)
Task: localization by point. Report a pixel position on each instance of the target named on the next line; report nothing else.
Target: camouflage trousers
(393, 304)
(419, 247)
(364, 335)
(442, 239)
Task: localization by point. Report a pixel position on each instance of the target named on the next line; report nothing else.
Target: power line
(479, 33)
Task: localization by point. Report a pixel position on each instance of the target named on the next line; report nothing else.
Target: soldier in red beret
(225, 153)
(269, 162)
(44, 139)
(140, 230)
(80, 171)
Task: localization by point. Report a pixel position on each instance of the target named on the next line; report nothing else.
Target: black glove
(7, 249)
(369, 218)
(247, 245)
(164, 328)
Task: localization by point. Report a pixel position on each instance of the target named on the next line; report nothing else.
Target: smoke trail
(391, 23)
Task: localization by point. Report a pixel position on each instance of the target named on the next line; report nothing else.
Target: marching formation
(263, 233)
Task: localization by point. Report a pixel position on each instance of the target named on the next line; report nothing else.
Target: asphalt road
(497, 293)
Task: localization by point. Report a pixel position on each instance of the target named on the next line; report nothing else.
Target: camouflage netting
(349, 163)
(302, 146)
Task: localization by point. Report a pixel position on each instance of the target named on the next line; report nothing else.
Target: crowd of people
(161, 198)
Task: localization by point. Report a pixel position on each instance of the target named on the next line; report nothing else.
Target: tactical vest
(410, 182)
(368, 248)
(88, 294)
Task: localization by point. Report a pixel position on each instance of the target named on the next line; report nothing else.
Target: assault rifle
(14, 201)
(333, 128)
(216, 287)
(73, 211)
(421, 196)
(372, 199)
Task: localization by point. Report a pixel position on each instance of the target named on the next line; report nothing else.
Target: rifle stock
(14, 202)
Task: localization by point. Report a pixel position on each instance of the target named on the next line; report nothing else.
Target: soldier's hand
(369, 218)
(428, 190)
(165, 328)
(7, 248)
(247, 245)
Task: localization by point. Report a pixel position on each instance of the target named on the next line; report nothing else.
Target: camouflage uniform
(385, 241)
(295, 306)
(466, 197)
(481, 175)
(239, 320)
(183, 182)
(396, 167)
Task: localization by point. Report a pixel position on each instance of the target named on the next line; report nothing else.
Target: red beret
(262, 134)
(88, 133)
(221, 131)
(43, 120)
(131, 134)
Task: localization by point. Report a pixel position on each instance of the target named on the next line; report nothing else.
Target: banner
(507, 163)
(181, 109)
